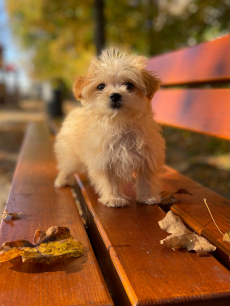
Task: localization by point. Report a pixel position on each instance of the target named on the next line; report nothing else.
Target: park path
(13, 124)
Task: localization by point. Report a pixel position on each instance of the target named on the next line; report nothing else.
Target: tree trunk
(99, 25)
(151, 12)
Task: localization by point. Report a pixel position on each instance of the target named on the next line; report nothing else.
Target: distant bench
(126, 241)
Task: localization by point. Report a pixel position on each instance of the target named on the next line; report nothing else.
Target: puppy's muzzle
(115, 100)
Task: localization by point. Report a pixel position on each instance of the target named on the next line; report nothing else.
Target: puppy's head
(117, 85)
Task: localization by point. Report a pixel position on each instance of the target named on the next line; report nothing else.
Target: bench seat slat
(139, 270)
(200, 110)
(194, 213)
(76, 281)
(206, 62)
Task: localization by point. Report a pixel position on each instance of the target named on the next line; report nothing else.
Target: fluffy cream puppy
(113, 135)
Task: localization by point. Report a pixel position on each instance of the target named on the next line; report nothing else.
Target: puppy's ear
(152, 83)
(79, 84)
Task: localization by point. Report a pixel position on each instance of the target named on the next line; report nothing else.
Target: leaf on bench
(182, 237)
(51, 245)
(180, 191)
(226, 237)
(167, 197)
(12, 215)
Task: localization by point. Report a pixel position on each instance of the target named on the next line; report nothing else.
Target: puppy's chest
(125, 150)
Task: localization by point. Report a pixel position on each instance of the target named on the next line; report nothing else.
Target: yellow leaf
(226, 237)
(53, 244)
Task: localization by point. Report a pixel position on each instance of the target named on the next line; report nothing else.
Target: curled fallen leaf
(167, 197)
(182, 237)
(226, 237)
(180, 191)
(51, 245)
(12, 215)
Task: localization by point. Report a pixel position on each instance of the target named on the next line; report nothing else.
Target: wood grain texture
(206, 62)
(200, 110)
(76, 281)
(140, 271)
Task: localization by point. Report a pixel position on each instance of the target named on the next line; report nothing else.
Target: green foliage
(58, 33)
(61, 33)
(152, 27)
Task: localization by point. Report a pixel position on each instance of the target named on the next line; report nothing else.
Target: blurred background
(44, 45)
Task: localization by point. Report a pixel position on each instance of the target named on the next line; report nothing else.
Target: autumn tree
(64, 35)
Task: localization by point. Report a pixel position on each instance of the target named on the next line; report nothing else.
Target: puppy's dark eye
(129, 85)
(101, 86)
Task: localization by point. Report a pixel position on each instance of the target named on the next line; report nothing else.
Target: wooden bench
(137, 268)
(199, 109)
(70, 282)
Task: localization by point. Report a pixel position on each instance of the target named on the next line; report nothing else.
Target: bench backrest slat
(201, 110)
(194, 109)
(206, 62)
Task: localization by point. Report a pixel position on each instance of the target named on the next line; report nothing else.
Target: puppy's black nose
(115, 97)
(115, 100)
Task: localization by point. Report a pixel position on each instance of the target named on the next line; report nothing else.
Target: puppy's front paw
(59, 183)
(63, 180)
(151, 200)
(114, 202)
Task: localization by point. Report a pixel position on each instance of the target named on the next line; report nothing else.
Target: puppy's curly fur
(113, 135)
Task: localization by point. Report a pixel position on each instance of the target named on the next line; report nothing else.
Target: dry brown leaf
(12, 215)
(51, 245)
(180, 191)
(182, 237)
(226, 237)
(167, 197)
